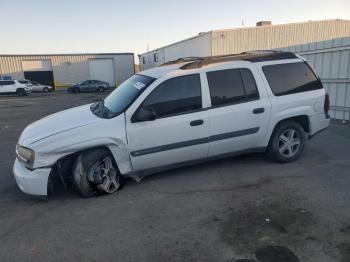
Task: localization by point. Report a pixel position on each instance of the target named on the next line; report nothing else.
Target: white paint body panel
(51, 140)
(237, 117)
(13, 88)
(167, 131)
(305, 103)
(177, 128)
(31, 182)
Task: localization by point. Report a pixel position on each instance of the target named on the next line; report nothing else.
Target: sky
(105, 26)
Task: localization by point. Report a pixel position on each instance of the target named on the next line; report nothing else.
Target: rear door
(240, 111)
(180, 131)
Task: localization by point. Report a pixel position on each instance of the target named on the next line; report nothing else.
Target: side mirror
(145, 114)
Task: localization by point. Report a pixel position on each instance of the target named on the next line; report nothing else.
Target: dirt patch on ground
(275, 254)
(344, 250)
(267, 228)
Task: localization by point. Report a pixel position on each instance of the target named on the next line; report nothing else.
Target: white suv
(14, 87)
(185, 111)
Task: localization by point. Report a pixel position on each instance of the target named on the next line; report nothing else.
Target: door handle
(196, 122)
(259, 110)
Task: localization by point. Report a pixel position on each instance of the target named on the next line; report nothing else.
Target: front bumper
(33, 182)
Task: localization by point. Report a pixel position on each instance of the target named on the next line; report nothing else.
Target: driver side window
(175, 96)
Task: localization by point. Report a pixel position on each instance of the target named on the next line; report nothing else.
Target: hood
(58, 123)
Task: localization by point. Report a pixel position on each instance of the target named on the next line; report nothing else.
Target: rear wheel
(95, 173)
(287, 142)
(46, 89)
(100, 89)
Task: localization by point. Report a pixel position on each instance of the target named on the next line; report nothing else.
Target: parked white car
(14, 87)
(183, 112)
(37, 87)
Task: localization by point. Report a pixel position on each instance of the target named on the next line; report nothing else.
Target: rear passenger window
(231, 86)
(176, 96)
(291, 78)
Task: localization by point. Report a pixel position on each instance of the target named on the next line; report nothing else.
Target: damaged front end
(46, 155)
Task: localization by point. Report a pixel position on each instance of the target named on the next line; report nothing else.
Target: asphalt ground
(244, 207)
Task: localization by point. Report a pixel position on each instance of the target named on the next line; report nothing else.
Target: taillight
(326, 103)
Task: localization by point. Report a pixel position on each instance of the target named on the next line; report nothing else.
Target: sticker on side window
(139, 85)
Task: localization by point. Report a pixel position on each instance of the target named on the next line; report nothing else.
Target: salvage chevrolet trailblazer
(183, 112)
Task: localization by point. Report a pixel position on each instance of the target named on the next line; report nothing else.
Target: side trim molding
(157, 149)
(194, 142)
(243, 132)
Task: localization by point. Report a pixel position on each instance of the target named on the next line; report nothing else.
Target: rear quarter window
(285, 79)
(231, 86)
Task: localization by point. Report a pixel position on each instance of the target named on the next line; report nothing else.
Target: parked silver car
(37, 87)
(89, 86)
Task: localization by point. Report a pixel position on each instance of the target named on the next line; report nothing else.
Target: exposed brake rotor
(105, 176)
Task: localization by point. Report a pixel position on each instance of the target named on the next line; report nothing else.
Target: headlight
(25, 154)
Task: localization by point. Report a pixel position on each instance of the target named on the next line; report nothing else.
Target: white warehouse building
(68, 69)
(261, 37)
(325, 44)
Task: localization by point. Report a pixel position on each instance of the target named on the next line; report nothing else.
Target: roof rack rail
(251, 56)
(262, 51)
(182, 60)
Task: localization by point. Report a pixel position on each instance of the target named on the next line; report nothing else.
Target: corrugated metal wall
(331, 60)
(277, 36)
(68, 69)
(232, 41)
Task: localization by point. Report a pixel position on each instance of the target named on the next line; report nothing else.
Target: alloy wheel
(289, 143)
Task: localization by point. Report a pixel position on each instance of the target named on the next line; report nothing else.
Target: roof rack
(251, 56)
(255, 56)
(182, 60)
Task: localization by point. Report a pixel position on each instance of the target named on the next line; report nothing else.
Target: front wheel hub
(105, 175)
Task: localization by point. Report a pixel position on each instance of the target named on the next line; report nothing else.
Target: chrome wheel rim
(109, 175)
(289, 143)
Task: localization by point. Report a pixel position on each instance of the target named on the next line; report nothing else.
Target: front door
(180, 131)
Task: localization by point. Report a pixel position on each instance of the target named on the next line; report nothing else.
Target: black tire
(45, 90)
(285, 148)
(81, 168)
(76, 90)
(21, 92)
(100, 89)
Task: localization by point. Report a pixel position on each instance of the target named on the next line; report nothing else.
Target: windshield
(126, 93)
